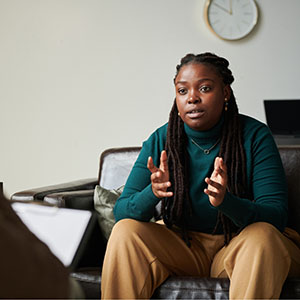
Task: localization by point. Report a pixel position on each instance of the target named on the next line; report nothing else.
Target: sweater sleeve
(137, 200)
(267, 183)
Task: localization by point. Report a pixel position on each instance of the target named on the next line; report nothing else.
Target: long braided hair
(175, 209)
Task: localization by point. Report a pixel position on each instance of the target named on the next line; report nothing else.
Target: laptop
(283, 119)
(65, 231)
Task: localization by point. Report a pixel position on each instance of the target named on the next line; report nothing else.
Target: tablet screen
(61, 229)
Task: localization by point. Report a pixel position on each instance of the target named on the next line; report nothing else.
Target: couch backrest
(115, 166)
(290, 156)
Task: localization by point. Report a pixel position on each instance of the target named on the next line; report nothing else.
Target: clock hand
(230, 7)
(221, 7)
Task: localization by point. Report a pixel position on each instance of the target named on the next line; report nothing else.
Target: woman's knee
(127, 230)
(124, 228)
(262, 234)
(262, 228)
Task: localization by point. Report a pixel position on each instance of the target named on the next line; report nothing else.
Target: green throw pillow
(104, 202)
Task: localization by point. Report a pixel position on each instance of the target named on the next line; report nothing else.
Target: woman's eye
(204, 89)
(181, 91)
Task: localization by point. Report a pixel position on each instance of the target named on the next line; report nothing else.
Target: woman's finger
(156, 176)
(162, 186)
(219, 166)
(162, 194)
(223, 165)
(214, 184)
(164, 161)
(150, 165)
(210, 193)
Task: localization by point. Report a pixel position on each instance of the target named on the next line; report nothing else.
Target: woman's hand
(160, 176)
(217, 183)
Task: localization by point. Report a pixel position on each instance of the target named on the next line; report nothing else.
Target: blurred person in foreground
(28, 267)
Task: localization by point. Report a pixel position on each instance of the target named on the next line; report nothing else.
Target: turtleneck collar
(207, 134)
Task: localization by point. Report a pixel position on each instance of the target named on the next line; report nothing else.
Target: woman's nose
(193, 98)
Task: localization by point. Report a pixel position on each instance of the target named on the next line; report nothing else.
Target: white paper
(60, 228)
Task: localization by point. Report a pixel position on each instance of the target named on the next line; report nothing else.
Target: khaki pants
(140, 256)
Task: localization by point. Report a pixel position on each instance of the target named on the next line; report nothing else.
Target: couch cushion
(90, 281)
(181, 287)
(104, 202)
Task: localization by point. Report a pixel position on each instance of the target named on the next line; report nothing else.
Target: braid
(174, 208)
(177, 208)
(232, 151)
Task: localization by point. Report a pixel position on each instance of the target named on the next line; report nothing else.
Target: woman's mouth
(195, 114)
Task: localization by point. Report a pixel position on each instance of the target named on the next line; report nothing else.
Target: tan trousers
(140, 256)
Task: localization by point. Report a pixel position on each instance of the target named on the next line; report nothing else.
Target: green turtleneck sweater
(265, 175)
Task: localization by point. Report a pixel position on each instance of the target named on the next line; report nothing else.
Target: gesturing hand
(217, 183)
(160, 176)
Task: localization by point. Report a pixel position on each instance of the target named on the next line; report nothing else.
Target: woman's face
(200, 95)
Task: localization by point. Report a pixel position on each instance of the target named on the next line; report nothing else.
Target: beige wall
(79, 76)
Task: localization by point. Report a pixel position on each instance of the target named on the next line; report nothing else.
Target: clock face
(231, 19)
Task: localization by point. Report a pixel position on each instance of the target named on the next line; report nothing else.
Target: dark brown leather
(74, 199)
(211, 288)
(90, 281)
(38, 194)
(181, 287)
(290, 156)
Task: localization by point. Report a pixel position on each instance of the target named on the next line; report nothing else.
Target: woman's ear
(227, 91)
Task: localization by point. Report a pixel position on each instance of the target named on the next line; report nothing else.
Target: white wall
(79, 76)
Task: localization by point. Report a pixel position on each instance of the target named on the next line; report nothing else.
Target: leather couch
(115, 165)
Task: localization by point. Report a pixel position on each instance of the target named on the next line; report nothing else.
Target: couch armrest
(83, 199)
(38, 194)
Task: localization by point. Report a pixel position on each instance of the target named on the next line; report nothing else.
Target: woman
(220, 181)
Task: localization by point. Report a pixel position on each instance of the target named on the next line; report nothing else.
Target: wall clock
(231, 19)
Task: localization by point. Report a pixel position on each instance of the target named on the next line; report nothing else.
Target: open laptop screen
(283, 117)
